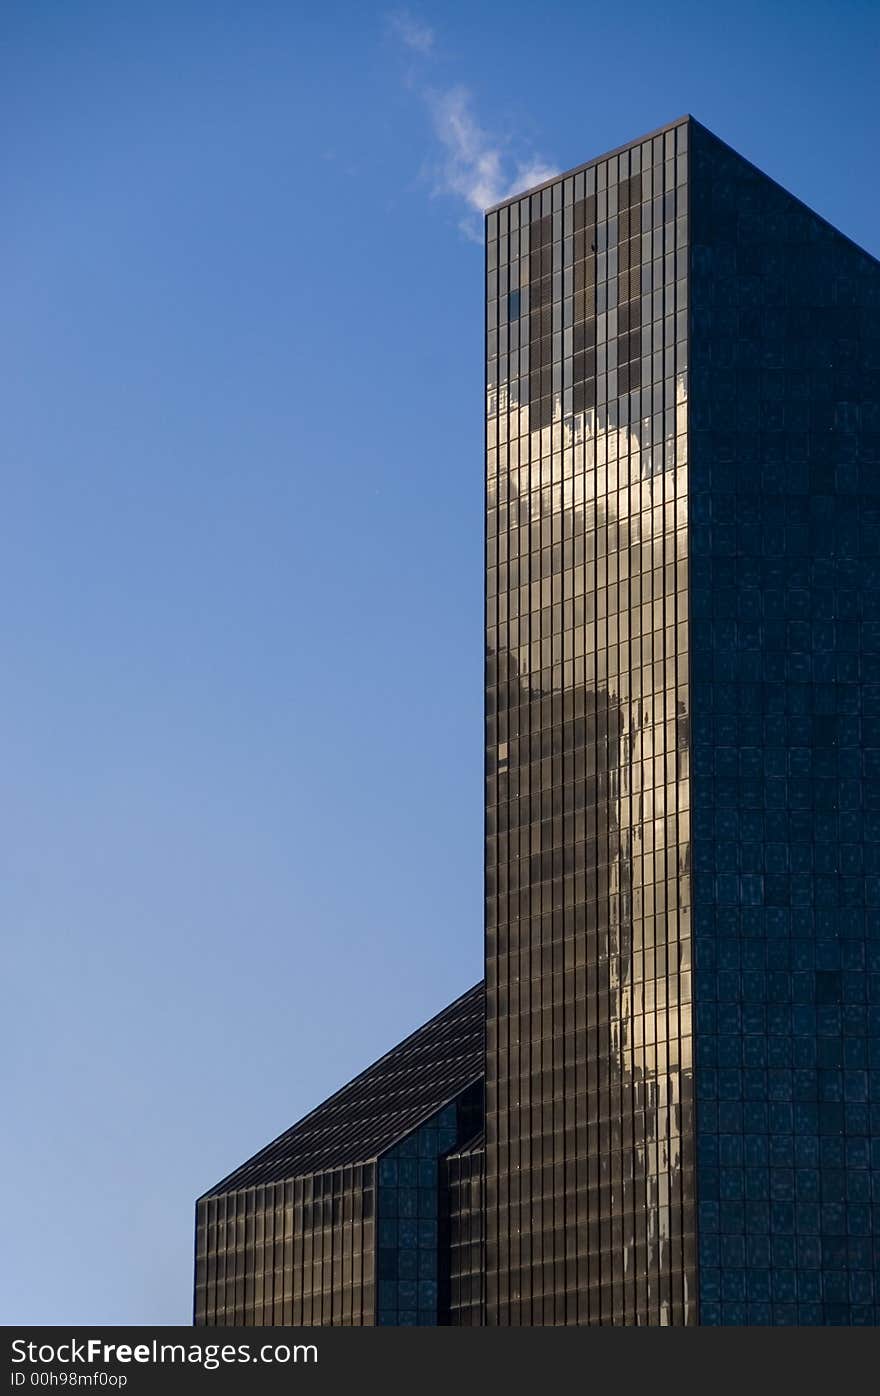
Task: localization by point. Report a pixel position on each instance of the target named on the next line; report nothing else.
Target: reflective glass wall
(463, 1231)
(297, 1253)
(589, 1159)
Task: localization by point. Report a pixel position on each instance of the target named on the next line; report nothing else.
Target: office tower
(683, 749)
(682, 998)
(342, 1220)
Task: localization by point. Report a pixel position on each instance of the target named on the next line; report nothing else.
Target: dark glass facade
(785, 566)
(589, 1130)
(413, 1258)
(673, 1115)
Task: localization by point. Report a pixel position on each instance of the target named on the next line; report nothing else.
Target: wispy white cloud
(411, 32)
(474, 166)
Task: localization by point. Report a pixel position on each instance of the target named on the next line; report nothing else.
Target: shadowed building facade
(784, 544)
(682, 852)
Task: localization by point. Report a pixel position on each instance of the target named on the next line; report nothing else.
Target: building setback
(682, 999)
(339, 1220)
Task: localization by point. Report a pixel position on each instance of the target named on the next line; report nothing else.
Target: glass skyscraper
(682, 998)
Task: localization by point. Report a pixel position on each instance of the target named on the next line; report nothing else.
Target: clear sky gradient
(240, 562)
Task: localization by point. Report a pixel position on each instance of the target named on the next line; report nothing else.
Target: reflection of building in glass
(682, 1001)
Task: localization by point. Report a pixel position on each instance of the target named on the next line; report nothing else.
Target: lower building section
(300, 1253)
(347, 1218)
(413, 1250)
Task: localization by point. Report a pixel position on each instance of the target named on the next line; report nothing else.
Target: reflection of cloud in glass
(587, 640)
(652, 1069)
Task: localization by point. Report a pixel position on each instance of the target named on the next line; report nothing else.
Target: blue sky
(240, 563)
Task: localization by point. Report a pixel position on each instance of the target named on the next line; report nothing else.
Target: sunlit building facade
(590, 1139)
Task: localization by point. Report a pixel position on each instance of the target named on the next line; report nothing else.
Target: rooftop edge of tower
(691, 121)
(588, 164)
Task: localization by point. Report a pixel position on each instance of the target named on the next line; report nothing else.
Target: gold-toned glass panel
(589, 1148)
